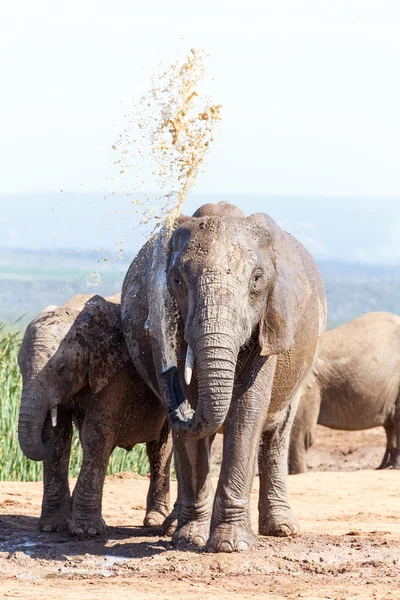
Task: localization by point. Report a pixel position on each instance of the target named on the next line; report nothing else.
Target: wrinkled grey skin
(250, 302)
(74, 357)
(354, 384)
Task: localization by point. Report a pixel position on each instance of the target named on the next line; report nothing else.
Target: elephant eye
(176, 277)
(256, 280)
(60, 368)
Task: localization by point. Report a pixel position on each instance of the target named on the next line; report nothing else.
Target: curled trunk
(215, 358)
(34, 428)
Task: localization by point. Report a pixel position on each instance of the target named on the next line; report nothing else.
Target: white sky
(310, 90)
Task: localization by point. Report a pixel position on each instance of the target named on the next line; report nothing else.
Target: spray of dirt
(163, 145)
(168, 134)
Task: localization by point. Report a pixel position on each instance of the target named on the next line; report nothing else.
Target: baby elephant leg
(97, 441)
(56, 494)
(160, 454)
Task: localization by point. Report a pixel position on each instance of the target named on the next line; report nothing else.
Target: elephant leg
(56, 494)
(192, 458)
(390, 444)
(230, 523)
(97, 442)
(395, 454)
(171, 522)
(159, 452)
(275, 515)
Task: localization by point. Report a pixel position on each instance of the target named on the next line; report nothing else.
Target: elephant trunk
(34, 427)
(215, 356)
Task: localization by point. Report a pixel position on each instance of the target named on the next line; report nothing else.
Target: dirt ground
(349, 546)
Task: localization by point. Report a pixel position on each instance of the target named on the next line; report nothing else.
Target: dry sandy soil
(349, 546)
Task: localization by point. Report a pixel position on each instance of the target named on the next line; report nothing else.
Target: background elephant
(223, 316)
(75, 364)
(355, 384)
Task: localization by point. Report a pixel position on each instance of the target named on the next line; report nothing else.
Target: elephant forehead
(49, 333)
(222, 242)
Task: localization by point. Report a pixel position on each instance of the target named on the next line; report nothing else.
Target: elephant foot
(155, 516)
(231, 537)
(171, 522)
(394, 461)
(385, 461)
(57, 521)
(391, 460)
(279, 524)
(92, 525)
(192, 532)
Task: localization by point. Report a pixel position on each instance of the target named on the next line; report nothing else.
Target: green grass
(14, 466)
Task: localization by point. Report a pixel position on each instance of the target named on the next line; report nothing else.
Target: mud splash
(168, 135)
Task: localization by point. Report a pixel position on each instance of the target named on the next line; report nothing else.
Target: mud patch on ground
(349, 547)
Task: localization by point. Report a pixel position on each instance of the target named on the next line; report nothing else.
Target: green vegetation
(14, 466)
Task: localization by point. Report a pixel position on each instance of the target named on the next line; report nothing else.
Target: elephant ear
(107, 349)
(289, 294)
(162, 321)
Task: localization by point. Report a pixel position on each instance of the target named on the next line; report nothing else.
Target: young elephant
(75, 365)
(355, 384)
(223, 316)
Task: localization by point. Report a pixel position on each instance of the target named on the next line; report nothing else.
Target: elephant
(354, 384)
(223, 316)
(75, 367)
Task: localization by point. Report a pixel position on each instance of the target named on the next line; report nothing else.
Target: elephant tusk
(54, 416)
(189, 365)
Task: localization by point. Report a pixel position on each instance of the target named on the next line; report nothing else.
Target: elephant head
(230, 281)
(63, 350)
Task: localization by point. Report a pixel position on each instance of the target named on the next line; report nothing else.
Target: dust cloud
(168, 135)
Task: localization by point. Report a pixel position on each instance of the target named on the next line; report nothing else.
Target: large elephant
(223, 315)
(75, 365)
(355, 384)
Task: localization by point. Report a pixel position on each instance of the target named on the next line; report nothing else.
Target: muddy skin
(249, 302)
(354, 385)
(74, 358)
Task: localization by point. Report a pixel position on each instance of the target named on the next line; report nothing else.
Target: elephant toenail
(78, 531)
(242, 547)
(150, 522)
(46, 528)
(225, 547)
(283, 531)
(181, 542)
(92, 531)
(198, 540)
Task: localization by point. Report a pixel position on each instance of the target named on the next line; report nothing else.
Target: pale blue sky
(310, 91)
